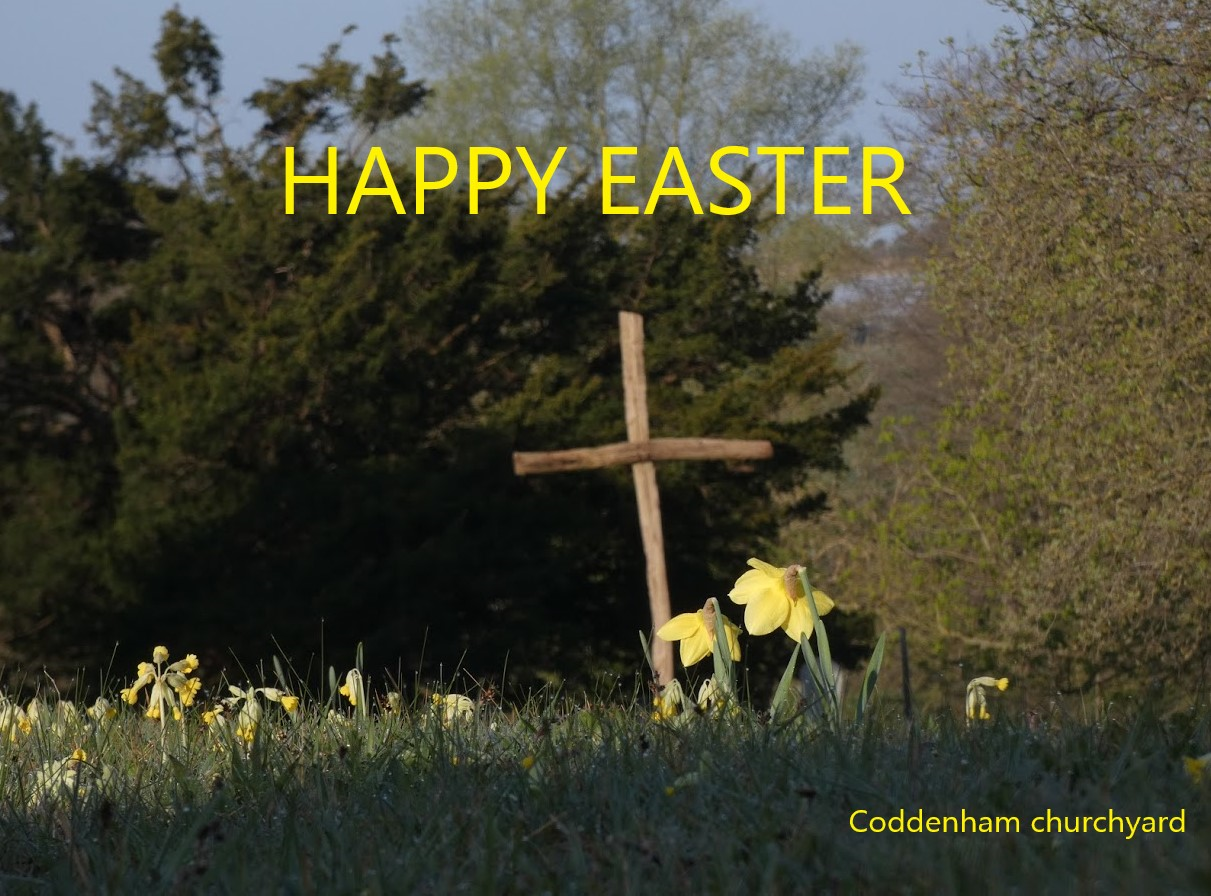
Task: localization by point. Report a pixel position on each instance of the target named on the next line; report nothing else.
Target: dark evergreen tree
(308, 420)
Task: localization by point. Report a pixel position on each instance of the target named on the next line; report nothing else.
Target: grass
(556, 797)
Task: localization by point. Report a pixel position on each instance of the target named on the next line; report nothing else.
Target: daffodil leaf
(781, 703)
(813, 664)
(722, 653)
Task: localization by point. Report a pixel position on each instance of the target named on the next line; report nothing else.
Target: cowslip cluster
(172, 688)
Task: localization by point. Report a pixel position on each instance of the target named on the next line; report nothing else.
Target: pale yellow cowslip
(101, 710)
(168, 685)
(773, 598)
(62, 780)
(250, 711)
(13, 720)
(353, 689)
(977, 701)
(669, 702)
(1197, 768)
(454, 708)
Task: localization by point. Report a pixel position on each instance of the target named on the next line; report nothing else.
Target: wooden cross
(641, 452)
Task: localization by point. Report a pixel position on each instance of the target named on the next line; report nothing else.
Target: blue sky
(50, 51)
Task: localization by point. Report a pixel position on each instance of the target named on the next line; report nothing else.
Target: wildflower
(171, 686)
(250, 710)
(395, 702)
(59, 720)
(773, 597)
(62, 779)
(977, 701)
(101, 710)
(696, 632)
(710, 695)
(454, 708)
(13, 719)
(353, 689)
(527, 763)
(189, 690)
(1197, 767)
(669, 702)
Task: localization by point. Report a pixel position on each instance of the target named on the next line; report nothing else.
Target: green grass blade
(647, 652)
(871, 678)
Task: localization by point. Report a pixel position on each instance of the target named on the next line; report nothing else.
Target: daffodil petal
(696, 647)
(733, 640)
(681, 626)
(763, 616)
(799, 621)
(776, 572)
(824, 603)
(755, 585)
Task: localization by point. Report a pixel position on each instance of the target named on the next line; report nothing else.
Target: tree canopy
(1058, 517)
(223, 424)
(699, 74)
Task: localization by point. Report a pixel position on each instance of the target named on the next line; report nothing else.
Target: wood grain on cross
(641, 451)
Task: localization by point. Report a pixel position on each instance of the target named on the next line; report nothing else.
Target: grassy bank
(588, 797)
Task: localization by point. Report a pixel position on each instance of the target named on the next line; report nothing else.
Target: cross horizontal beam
(618, 453)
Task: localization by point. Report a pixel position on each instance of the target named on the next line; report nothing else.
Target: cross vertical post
(635, 397)
(641, 452)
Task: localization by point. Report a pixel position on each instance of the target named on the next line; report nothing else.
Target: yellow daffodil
(773, 598)
(696, 632)
(977, 700)
(290, 703)
(1197, 768)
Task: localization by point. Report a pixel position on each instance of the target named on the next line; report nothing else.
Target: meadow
(164, 786)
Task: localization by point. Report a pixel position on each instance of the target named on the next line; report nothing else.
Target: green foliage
(242, 423)
(698, 74)
(1055, 519)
